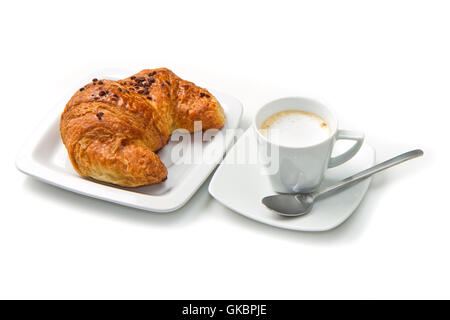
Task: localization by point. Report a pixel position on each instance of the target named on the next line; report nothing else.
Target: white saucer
(45, 157)
(240, 187)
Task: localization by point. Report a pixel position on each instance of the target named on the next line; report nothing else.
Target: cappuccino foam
(295, 128)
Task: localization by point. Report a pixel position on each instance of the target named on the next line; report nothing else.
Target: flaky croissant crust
(111, 129)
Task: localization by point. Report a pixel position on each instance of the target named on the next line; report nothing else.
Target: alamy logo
(197, 148)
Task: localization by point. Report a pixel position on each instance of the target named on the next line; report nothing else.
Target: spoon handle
(375, 169)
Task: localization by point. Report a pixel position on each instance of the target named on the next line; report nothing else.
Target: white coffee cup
(301, 169)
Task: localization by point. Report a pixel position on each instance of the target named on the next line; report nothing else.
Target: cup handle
(347, 135)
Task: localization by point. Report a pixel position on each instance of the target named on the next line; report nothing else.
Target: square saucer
(239, 185)
(44, 157)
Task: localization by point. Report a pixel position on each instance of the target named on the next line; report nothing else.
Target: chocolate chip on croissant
(111, 129)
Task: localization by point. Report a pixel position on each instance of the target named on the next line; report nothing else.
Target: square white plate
(45, 157)
(239, 185)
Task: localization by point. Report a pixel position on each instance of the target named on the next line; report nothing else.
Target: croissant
(112, 129)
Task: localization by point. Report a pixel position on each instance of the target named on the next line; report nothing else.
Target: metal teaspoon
(292, 205)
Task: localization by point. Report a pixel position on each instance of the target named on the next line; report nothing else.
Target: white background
(384, 66)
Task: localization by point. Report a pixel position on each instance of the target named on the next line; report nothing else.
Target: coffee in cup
(295, 128)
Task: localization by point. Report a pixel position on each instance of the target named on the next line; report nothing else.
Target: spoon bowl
(292, 206)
